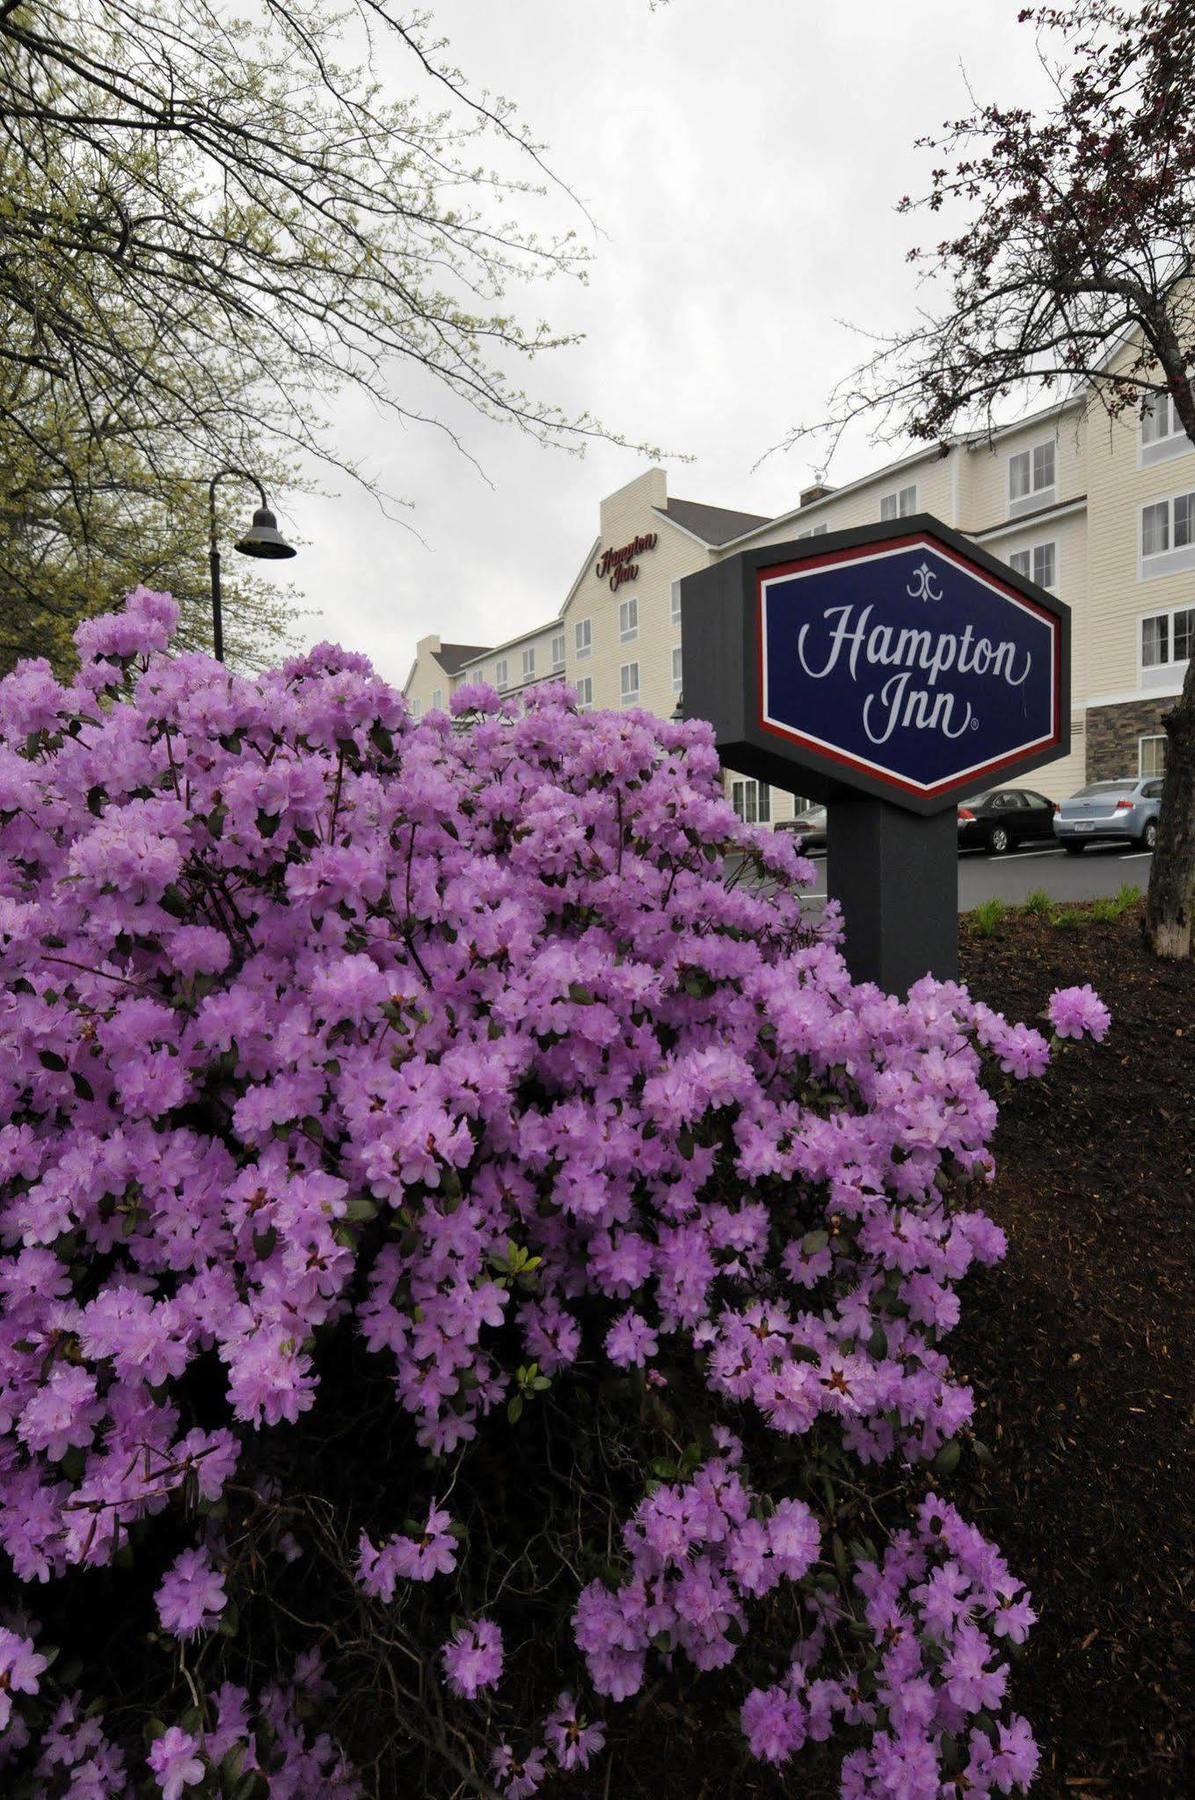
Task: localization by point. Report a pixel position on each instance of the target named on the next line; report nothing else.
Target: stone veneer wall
(1112, 733)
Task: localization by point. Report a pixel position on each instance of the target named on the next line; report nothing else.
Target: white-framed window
(417, 709)
(628, 620)
(628, 684)
(676, 603)
(1039, 564)
(502, 674)
(819, 530)
(583, 637)
(437, 699)
(1167, 637)
(752, 801)
(1151, 755)
(676, 669)
(896, 505)
(585, 693)
(1167, 536)
(558, 653)
(1162, 435)
(529, 663)
(1031, 475)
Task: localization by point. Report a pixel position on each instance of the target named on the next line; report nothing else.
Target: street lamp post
(263, 539)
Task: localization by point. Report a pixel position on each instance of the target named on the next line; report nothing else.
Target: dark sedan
(809, 826)
(1002, 817)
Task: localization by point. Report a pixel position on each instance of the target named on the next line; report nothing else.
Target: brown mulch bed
(1081, 1349)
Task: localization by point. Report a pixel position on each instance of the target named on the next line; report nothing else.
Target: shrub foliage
(468, 1252)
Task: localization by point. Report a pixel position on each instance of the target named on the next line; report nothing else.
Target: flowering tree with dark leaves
(1065, 268)
(466, 1253)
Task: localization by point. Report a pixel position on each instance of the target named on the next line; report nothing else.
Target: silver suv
(1107, 811)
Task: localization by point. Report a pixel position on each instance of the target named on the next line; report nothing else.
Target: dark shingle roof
(453, 657)
(712, 524)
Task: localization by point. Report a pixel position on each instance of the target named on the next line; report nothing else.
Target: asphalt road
(1102, 869)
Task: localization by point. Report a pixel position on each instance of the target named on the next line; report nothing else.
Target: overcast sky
(742, 164)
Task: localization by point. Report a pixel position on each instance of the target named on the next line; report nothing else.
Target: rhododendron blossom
(464, 1036)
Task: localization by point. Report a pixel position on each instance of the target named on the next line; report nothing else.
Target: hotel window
(892, 506)
(818, 530)
(583, 636)
(558, 653)
(416, 709)
(676, 603)
(1030, 476)
(1151, 755)
(676, 670)
(1166, 638)
(501, 674)
(628, 620)
(752, 801)
(1167, 536)
(1039, 564)
(437, 699)
(585, 693)
(628, 683)
(528, 663)
(1162, 433)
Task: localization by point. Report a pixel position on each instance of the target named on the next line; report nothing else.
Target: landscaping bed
(1081, 1348)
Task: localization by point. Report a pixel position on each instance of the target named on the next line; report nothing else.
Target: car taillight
(966, 816)
(1125, 805)
(1057, 808)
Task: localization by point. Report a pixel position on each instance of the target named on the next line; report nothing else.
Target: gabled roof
(453, 657)
(712, 524)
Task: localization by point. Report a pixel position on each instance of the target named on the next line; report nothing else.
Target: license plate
(1084, 827)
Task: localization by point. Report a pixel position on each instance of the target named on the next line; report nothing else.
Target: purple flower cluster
(408, 1558)
(472, 1658)
(1078, 1012)
(697, 1553)
(301, 997)
(937, 1607)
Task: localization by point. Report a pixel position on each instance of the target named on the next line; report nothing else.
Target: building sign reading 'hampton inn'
(907, 665)
(622, 565)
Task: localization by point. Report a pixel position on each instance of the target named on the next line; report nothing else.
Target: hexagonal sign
(906, 664)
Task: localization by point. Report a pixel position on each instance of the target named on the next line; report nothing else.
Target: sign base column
(896, 878)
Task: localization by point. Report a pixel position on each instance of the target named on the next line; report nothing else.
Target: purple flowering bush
(459, 1236)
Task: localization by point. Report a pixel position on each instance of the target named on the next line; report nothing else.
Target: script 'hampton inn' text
(854, 641)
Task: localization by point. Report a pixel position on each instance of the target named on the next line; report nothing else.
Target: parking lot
(1102, 869)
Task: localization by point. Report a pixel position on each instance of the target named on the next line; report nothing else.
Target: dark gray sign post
(890, 672)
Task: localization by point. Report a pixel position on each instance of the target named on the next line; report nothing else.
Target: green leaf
(264, 1242)
(947, 1459)
(95, 798)
(813, 1241)
(174, 901)
(877, 1343)
(514, 1408)
(359, 1212)
(82, 1086)
(50, 1059)
(580, 994)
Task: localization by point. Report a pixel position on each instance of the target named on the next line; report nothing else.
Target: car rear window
(1104, 787)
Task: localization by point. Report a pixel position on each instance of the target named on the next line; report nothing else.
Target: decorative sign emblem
(908, 664)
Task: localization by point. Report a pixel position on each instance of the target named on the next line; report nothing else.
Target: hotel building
(1099, 511)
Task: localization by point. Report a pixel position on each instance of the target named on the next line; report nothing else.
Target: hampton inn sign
(890, 674)
(622, 565)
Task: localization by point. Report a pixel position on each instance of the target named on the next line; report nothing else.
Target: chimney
(818, 491)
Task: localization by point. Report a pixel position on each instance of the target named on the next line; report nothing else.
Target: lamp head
(264, 539)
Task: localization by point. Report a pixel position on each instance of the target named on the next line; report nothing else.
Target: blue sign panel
(904, 662)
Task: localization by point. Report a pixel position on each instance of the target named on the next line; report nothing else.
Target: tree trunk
(1171, 896)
